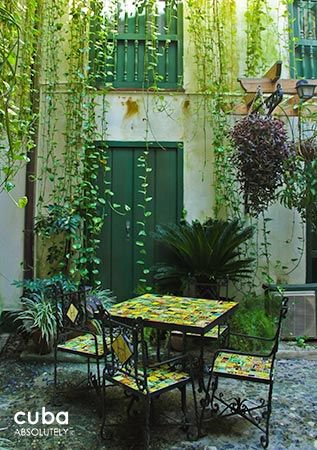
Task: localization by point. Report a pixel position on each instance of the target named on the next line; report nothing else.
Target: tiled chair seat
(214, 333)
(243, 366)
(157, 379)
(84, 344)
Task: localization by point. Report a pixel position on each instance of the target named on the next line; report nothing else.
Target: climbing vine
(262, 37)
(213, 27)
(71, 174)
(18, 36)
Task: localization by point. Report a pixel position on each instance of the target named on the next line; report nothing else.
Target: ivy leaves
(16, 117)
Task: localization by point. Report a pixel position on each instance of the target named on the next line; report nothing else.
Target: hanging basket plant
(262, 147)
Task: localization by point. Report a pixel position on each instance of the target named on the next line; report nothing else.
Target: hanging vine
(213, 26)
(17, 43)
(75, 199)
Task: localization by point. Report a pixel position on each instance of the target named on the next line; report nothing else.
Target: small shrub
(254, 318)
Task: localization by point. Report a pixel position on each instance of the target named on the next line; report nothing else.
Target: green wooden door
(119, 252)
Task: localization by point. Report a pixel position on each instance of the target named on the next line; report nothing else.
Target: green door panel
(118, 251)
(311, 254)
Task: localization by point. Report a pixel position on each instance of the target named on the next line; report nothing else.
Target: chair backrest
(217, 290)
(71, 309)
(282, 315)
(126, 354)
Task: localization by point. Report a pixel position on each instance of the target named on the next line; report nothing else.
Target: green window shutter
(304, 32)
(145, 49)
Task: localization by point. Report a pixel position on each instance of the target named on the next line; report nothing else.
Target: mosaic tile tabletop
(170, 310)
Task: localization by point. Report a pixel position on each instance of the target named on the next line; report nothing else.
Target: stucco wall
(11, 244)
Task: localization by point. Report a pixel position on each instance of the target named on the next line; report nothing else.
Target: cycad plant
(203, 252)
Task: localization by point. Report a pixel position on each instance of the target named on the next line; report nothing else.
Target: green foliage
(262, 37)
(18, 31)
(104, 296)
(62, 228)
(301, 341)
(76, 202)
(300, 181)
(256, 316)
(39, 314)
(40, 285)
(206, 252)
(213, 28)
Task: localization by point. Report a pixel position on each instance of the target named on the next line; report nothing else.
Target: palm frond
(209, 251)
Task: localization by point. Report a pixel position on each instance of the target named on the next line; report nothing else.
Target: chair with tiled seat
(248, 367)
(75, 334)
(126, 366)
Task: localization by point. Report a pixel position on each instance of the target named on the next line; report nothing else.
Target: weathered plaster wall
(11, 244)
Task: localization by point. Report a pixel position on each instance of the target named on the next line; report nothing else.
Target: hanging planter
(262, 147)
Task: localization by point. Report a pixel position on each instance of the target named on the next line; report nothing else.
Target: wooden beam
(274, 72)
(268, 85)
(250, 85)
(288, 107)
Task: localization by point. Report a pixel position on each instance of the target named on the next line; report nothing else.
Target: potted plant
(201, 253)
(262, 149)
(39, 319)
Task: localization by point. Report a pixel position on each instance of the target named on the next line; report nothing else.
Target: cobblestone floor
(28, 387)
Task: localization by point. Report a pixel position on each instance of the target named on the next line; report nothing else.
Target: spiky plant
(38, 314)
(204, 252)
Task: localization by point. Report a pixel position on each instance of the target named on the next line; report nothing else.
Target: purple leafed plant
(262, 146)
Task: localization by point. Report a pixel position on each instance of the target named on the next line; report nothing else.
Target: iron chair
(249, 367)
(209, 291)
(73, 313)
(126, 365)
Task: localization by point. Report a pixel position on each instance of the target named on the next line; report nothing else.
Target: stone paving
(27, 386)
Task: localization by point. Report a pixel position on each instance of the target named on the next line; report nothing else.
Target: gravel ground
(26, 386)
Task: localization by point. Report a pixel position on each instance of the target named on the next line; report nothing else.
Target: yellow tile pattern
(157, 379)
(168, 309)
(244, 366)
(84, 344)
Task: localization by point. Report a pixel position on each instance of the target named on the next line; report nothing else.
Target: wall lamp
(305, 90)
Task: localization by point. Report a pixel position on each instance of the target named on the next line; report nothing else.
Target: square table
(169, 312)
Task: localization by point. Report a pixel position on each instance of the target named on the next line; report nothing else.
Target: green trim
(292, 287)
(309, 259)
(292, 68)
(180, 185)
(180, 29)
(141, 144)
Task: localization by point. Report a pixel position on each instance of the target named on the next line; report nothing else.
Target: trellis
(268, 85)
